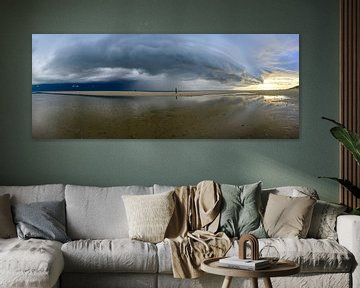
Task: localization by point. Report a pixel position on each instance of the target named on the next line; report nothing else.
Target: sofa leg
(254, 282)
(227, 282)
(267, 283)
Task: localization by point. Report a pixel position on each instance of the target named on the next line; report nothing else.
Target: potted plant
(351, 141)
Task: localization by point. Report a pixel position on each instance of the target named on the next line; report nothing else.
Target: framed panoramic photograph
(165, 86)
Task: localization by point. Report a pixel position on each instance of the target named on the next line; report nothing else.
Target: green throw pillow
(240, 213)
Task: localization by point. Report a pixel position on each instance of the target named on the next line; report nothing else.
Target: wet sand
(166, 115)
(149, 93)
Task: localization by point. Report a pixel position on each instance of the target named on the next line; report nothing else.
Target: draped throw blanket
(191, 231)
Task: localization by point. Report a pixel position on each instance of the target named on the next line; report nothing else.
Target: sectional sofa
(101, 254)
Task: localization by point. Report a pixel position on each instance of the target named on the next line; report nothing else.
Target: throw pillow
(323, 222)
(288, 217)
(7, 227)
(149, 215)
(44, 220)
(240, 213)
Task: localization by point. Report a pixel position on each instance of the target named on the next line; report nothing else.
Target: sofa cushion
(163, 188)
(30, 263)
(240, 210)
(36, 193)
(313, 255)
(149, 215)
(98, 212)
(117, 255)
(323, 222)
(43, 220)
(7, 226)
(287, 216)
(291, 191)
(109, 280)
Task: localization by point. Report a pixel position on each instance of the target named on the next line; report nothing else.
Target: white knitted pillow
(149, 215)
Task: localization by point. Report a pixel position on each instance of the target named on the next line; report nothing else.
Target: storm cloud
(165, 60)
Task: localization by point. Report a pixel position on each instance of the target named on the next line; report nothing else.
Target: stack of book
(248, 264)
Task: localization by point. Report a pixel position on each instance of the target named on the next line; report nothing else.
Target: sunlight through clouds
(164, 61)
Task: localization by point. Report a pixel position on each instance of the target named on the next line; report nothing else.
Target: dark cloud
(150, 55)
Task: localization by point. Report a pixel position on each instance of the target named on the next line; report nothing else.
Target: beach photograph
(165, 86)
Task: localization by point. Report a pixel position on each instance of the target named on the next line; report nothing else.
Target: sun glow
(278, 80)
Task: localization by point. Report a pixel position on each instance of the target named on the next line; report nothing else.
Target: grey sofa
(101, 254)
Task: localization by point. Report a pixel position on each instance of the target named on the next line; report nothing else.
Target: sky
(169, 61)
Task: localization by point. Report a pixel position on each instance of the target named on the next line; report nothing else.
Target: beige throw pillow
(7, 226)
(149, 215)
(288, 217)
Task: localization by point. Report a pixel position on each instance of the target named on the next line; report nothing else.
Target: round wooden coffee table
(281, 268)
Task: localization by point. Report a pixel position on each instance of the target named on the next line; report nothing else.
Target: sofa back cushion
(7, 226)
(290, 191)
(36, 193)
(98, 212)
(163, 188)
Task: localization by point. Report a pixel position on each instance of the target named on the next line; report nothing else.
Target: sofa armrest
(348, 230)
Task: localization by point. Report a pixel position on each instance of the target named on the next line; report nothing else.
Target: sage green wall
(123, 162)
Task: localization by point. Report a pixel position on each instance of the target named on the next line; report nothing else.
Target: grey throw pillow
(323, 222)
(7, 227)
(240, 213)
(44, 220)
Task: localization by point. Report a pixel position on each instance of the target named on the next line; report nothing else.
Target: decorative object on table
(282, 268)
(241, 261)
(254, 246)
(269, 253)
(351, 142)
(165, 86)
(248, 264)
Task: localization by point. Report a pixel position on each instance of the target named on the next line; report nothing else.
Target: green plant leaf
(349, 139)
(355, 211)
(347, 184)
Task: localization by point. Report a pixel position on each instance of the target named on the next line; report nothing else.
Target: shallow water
(237, 115)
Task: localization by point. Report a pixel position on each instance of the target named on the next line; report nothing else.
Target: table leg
(254, 282)
(227, 282)
(267, 283)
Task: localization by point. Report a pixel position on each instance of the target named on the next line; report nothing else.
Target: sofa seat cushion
(115, 255)
(313, 255)
(30, 263)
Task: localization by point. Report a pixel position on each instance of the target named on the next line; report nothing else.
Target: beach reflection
(222, 115)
